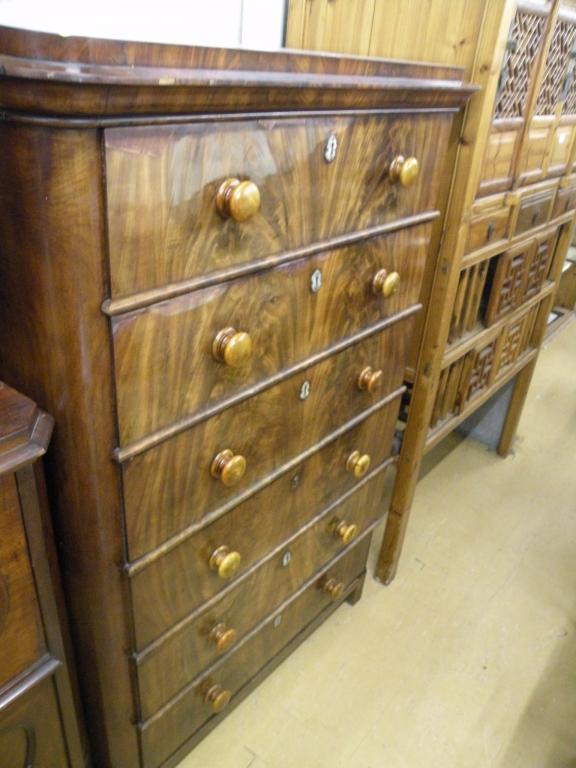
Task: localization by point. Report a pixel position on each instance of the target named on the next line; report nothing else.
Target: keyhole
(330, 148)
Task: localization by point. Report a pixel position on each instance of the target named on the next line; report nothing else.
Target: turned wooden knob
(232, 347)
(333, 588)
(342, 530)
(223, 637)
(386, 283)
(228, 467)
(225, 562)
(238, 200)
(358, 463)
(217, 697)
(369, 379)
(404, 170)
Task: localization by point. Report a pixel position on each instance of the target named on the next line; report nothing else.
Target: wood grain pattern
(181, 657)
(62, 99)
(181, 580)
(21, 632)
(164, 365)
(31, 730)
(534, 211)
(162, 184)
(170, 727)
(51, 291)
(269, 430)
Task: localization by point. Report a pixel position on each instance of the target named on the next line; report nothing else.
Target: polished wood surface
(163, 181)
(21, 635)
(181, 656)
(502, 248)
(162, 733)
(291, 313)
(182, 579)
(166, 212)
(271, 430)
(39, 710)
(31, 730)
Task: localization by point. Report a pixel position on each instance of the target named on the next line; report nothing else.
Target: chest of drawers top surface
(217, 256)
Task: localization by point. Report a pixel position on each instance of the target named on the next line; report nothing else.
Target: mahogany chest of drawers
(211, 264)
(38, 724)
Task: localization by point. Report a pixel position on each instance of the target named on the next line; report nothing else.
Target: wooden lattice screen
(522, 51)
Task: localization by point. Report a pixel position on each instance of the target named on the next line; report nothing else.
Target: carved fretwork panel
(511, 344)
(480, 377)
(538, 269)
(522, 51)
(508, 285)
(556, 67)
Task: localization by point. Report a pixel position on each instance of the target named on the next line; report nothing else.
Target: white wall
(225, 23)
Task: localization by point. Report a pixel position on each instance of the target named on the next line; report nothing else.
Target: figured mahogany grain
(163, 180)
(165, 368)
(261, 523)
(172, 665)
(165, 490)
(31, 731)
(21, 635)
(181, 582)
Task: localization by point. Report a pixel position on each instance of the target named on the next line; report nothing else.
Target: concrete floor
(469, 659)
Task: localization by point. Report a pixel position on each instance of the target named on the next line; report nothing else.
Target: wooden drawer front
(496, 174)
(30, 730)
(488, 229)
(565, 201)
(535, 148)
(169, 667)
(508, 286)
(162, 734)
(534, 211)
(21, 635)
(269, 430)
(318, 479)
(177, 584)
(165, 368)
(259, 525)
(162, 183)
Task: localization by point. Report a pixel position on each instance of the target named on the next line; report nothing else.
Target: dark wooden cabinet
(38, 721)
(211, 267)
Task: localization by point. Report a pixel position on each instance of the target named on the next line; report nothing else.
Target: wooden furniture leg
(514, 412)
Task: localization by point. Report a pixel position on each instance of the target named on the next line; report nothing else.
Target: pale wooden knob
(404, 170)
(217, 697)
(386, 283)
(333, 588)
(358, 463)
(224, 562)
(369, 379)
(228, 467)
(344, 531)
(232, 347)
(223, 637)
(239, 200)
